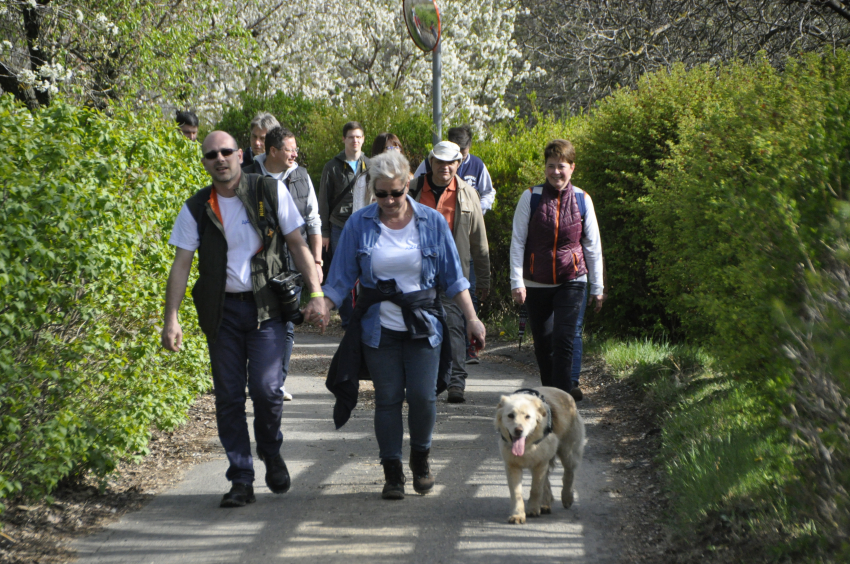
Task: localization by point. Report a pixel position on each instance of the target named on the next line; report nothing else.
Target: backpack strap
(535, 201)
(416, 186)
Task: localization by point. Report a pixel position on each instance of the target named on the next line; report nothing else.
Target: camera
(286, 287)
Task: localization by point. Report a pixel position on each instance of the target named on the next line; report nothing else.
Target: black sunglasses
(212, 155)
(394, 194)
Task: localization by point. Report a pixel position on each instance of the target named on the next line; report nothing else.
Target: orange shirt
(448, 201)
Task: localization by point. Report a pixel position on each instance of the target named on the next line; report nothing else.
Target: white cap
(446, 151)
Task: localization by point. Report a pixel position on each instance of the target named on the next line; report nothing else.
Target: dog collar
(549, 424)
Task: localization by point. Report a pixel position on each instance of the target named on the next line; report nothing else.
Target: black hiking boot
(423, 480)
(239, 496)
(394, 476)
(277, 476)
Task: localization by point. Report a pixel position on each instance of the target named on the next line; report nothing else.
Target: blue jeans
(346, 309)
(552, 315)
(401, 368)
(243, 353)
(577, 344)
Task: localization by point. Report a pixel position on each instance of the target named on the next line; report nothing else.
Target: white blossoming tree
(199, 53)
(331, 50)
(140, 51)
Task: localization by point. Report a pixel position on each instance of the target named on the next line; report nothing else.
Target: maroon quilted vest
(553, 253)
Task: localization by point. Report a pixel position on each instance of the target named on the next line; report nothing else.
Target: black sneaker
(455, 396)
(394, 476)
(576, 393)
(239, 495)
(277, 476)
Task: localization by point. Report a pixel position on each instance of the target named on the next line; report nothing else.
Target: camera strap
(266, 209)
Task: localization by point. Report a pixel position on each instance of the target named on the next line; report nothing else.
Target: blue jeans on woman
(552, 315)
(401, 368)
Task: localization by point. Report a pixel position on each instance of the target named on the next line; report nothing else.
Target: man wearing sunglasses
(280, 162)
(239, 224)
(443, 190)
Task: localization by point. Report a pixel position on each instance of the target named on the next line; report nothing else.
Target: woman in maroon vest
(556, 252)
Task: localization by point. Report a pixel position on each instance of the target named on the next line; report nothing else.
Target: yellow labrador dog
(535, 426)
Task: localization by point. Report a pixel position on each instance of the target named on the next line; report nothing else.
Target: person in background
(402, 253)
(336, 198)
(473, 171)
(188, 123)
(259, 128)
(383, 142)
(556, 252)
(237, 309)
(279, 162)
(444, 191)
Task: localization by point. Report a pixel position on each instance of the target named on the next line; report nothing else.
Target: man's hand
(518, 294)
(316, 313)
(326, 242)
(320, 272)
(476, 333)
(483, 293)
(172, 336)
(598, 301)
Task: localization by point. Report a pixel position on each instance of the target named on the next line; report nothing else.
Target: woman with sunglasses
(401, 251)
(383, 142)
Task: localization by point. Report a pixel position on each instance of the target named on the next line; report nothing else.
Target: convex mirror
(423, 23)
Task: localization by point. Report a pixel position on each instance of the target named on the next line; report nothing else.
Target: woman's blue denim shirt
(352, 259)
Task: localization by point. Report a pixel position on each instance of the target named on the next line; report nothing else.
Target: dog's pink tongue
(518, 448)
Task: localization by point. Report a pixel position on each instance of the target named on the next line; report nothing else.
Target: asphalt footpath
(334, 511)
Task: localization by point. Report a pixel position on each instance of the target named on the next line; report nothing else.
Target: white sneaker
(287, 396)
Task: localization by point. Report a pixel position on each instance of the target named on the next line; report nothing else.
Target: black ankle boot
(423, 481)
(394, 476)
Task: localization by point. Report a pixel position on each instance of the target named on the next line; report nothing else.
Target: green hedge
(88, 203)
(740, 212)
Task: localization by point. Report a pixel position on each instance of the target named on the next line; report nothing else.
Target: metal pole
(436, 93)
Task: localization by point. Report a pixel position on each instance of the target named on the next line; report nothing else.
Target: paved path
(334, 512)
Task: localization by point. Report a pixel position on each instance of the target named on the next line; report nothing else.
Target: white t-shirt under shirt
(243, 241)
(397, 255)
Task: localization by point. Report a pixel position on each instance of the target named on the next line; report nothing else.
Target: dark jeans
(245, 354)
(552, 314)
(401, 368)
(346, 309)
(577, 344)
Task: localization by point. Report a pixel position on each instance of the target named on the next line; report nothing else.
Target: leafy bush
(87, 206)
(387, 112)
(293, 113)
(740, 209)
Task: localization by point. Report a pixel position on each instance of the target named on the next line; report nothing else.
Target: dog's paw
(567, 498)
(545, 510)
(517, 519)
(533, 512)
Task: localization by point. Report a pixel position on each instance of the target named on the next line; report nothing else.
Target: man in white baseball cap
(443, 190)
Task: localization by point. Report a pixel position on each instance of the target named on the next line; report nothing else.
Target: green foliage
(293, 113)
(740, 209)
(88, 203)
(377, 114)
(618, 157)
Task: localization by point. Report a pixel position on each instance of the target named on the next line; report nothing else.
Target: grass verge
(729, 465)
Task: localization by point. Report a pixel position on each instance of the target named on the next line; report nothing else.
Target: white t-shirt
(397, 255)
(243, 241)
